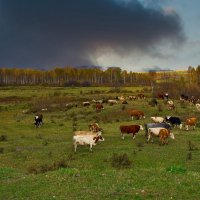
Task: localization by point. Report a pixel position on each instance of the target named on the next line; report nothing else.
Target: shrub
(120, 161)
(176, 169)
(3, 138)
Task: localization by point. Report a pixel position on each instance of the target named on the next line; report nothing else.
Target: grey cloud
(47, 33)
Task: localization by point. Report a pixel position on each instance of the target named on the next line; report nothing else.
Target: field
(40, 163)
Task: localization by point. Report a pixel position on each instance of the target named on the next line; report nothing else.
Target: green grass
(156, 172)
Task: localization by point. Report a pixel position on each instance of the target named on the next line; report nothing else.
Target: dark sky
(48, 33)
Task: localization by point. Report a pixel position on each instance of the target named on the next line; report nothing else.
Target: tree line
(112, 76)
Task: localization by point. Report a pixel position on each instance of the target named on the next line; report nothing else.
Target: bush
(120, 161)
(3, 138)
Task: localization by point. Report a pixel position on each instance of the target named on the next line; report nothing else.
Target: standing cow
(174, 121)
(38, 120)
(130, 129)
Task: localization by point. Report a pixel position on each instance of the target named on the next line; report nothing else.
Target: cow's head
(141, 127)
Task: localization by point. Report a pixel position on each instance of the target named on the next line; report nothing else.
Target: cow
(132, 97)
(190, 122)
(99, 106)
(130, 129)
(137, 114)
(38, 120)
(158, 119)
(156, 125)
(112, 101)
(162, 133)
(170, 105)
(197, 106)
(86, 103)
(95, 127)
(174, 121)
(162, 95)
(140, 96)
(184, 97)
(90, 140)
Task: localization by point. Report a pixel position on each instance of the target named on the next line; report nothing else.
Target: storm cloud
(46, 33)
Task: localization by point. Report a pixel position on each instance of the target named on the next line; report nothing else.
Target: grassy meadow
(40, 163)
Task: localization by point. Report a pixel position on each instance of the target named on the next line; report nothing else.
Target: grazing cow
(156, 125)
(87, 133)
(141, 96)
(158, 119)
(90, 140)
(174, 121)
(132, 97)
(184, 97)
(190, 122)
(130, 129)
(197, 106)
(99, 106)
(137, 114)
(112, 101)
(95, 127)
(162, 95)
(86, 103)
(124, 102)
(162, 133)
(38, 120)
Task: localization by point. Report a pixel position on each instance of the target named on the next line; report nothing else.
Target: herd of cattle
(160, 126)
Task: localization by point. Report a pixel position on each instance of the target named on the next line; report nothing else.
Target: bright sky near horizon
(136, 35)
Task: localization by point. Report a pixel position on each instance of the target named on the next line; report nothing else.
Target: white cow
(112, 101)
(86, 140)
(155, 132)
(158, 119)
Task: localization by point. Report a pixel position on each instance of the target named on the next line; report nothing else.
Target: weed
(176, 169)
(1, 149)
(191, 146)
(189, 156)
(3, 138)
(120, 161)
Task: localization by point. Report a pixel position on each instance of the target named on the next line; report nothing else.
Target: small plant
(189, 156)
(120, 161)
(3, 138)
(176, 169)
(1, 149)
(191, 146)
(44, 143)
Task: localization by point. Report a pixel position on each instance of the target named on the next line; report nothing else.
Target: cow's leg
(149, 137)
(75, 146)
(134, 136)
(187, 127)
(90, 146)
(122, 136)
(180, 126)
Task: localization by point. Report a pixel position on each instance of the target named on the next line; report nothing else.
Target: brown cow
(136, 113)
(130, 129)
(190, 122)
(164, 134)
(99, 106)
(141, 96)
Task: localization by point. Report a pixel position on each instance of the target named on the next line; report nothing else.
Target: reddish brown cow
(190, 122)
(141, 96)
(130, 129)
(99, 106)
(136, 113)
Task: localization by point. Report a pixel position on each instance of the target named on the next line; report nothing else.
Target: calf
(174, 121)
(38, 120)
(86, 140)
(190, 122)
(162, 133)
(158, 119)
(130, 129)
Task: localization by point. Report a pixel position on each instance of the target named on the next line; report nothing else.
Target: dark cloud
(48, 33)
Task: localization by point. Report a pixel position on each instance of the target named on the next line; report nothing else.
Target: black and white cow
(174, 121)
(38, 120)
